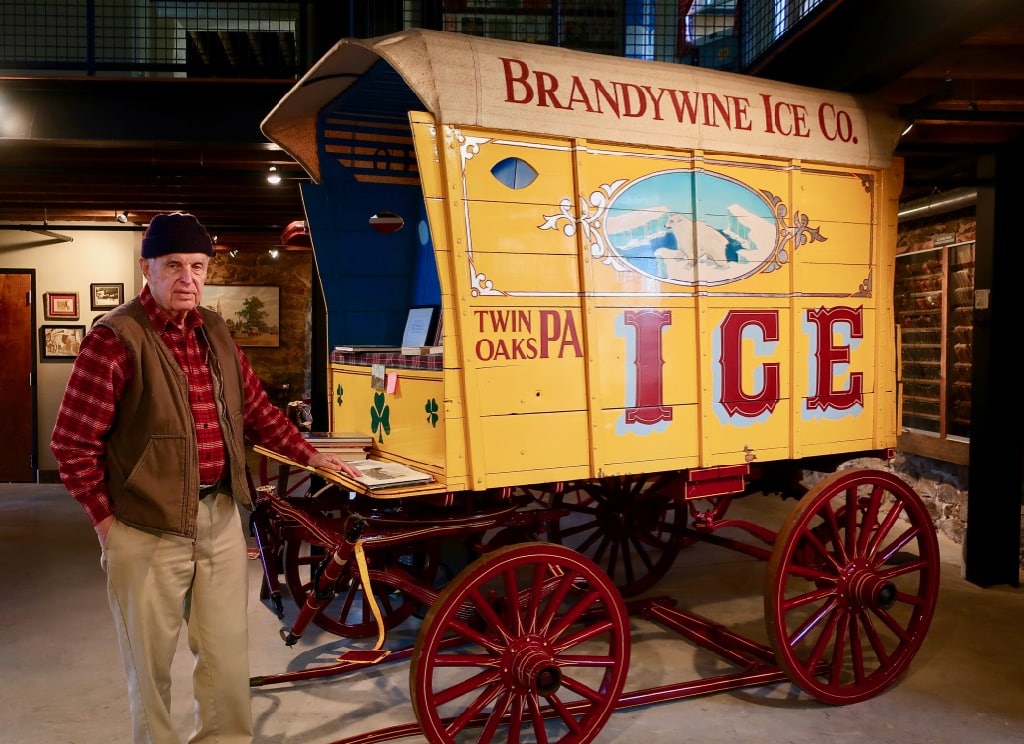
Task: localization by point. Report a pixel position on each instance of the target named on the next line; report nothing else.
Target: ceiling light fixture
(273, 177)
(273, 252)
(122, 217)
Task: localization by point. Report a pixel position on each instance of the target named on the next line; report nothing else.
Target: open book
(382, 474)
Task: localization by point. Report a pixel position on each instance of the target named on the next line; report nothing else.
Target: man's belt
(220, 485)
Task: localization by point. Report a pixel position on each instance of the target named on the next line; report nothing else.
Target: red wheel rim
(851, 585)
(543, 656)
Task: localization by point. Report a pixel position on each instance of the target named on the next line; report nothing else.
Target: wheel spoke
(641, 554)
(900, 542)
(628, 525)
(502, 708)
(537, 718)
(569, 618)
(883, 530)
(552, 604)
(563, 713)
(842, 627)
(807, 598)
(486, 696)
(828, 618)
(870, 521)
(584, 691)
(877, 645)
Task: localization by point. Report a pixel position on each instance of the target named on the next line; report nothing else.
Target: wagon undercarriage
(524, 596)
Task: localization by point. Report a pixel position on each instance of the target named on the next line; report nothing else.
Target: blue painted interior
(370, 279)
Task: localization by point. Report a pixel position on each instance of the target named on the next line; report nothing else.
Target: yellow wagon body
(642, 267)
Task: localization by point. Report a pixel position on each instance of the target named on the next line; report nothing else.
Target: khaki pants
(156, 581)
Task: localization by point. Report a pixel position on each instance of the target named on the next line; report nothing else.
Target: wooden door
(18, 454)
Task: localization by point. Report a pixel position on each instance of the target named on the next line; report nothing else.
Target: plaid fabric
(98, 378)
(390, 360)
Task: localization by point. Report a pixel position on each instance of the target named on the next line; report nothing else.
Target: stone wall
(292, 271)
(942, 487)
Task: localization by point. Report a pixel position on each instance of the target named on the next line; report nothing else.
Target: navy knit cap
(177, 232)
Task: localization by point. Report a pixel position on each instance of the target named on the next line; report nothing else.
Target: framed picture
(61, 305)
(106, 296)
(61, 341)
(253, 313)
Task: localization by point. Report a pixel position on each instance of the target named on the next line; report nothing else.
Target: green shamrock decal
(339, 392)
(431, 409)
(379, 417)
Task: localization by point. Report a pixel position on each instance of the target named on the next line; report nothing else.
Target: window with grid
(114, 37)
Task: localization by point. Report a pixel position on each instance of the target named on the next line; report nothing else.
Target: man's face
(176, 281)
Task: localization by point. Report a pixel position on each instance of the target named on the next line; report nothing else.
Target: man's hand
(102, 528)
(327, 461)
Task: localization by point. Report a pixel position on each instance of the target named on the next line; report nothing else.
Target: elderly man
(149, 439)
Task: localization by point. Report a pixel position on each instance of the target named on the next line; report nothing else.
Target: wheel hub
(864, 588)
(531, 668)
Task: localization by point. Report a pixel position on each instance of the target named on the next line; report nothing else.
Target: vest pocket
(156, 489)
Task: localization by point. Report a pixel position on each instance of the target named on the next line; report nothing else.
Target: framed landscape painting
(253, 313)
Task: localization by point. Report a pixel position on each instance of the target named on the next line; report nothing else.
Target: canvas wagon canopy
(502, 85)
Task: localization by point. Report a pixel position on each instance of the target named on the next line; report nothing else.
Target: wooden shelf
(933, 353)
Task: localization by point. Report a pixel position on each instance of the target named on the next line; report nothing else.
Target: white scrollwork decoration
(592, 214)
(470, 146)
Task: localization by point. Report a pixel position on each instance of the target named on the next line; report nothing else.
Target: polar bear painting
(658, 227)
(747, 239)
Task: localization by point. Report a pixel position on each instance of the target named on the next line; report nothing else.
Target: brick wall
(292, 271)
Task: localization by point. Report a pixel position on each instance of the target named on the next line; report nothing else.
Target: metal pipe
(939, 204)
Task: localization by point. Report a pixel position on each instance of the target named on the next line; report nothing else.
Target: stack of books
(422, 350)
(350, 446)
(366, 349)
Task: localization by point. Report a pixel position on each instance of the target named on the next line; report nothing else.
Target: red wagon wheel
(288, 481)
(544, 650)
(627, 525)
(851, 585)
(392, 570)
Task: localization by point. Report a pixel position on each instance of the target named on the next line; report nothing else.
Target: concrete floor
(62, 681)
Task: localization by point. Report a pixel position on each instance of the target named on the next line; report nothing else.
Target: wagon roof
(514, 86)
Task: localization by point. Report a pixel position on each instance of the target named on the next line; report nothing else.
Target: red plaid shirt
(98, 379)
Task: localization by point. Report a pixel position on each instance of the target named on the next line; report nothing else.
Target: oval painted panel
(686, 227)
